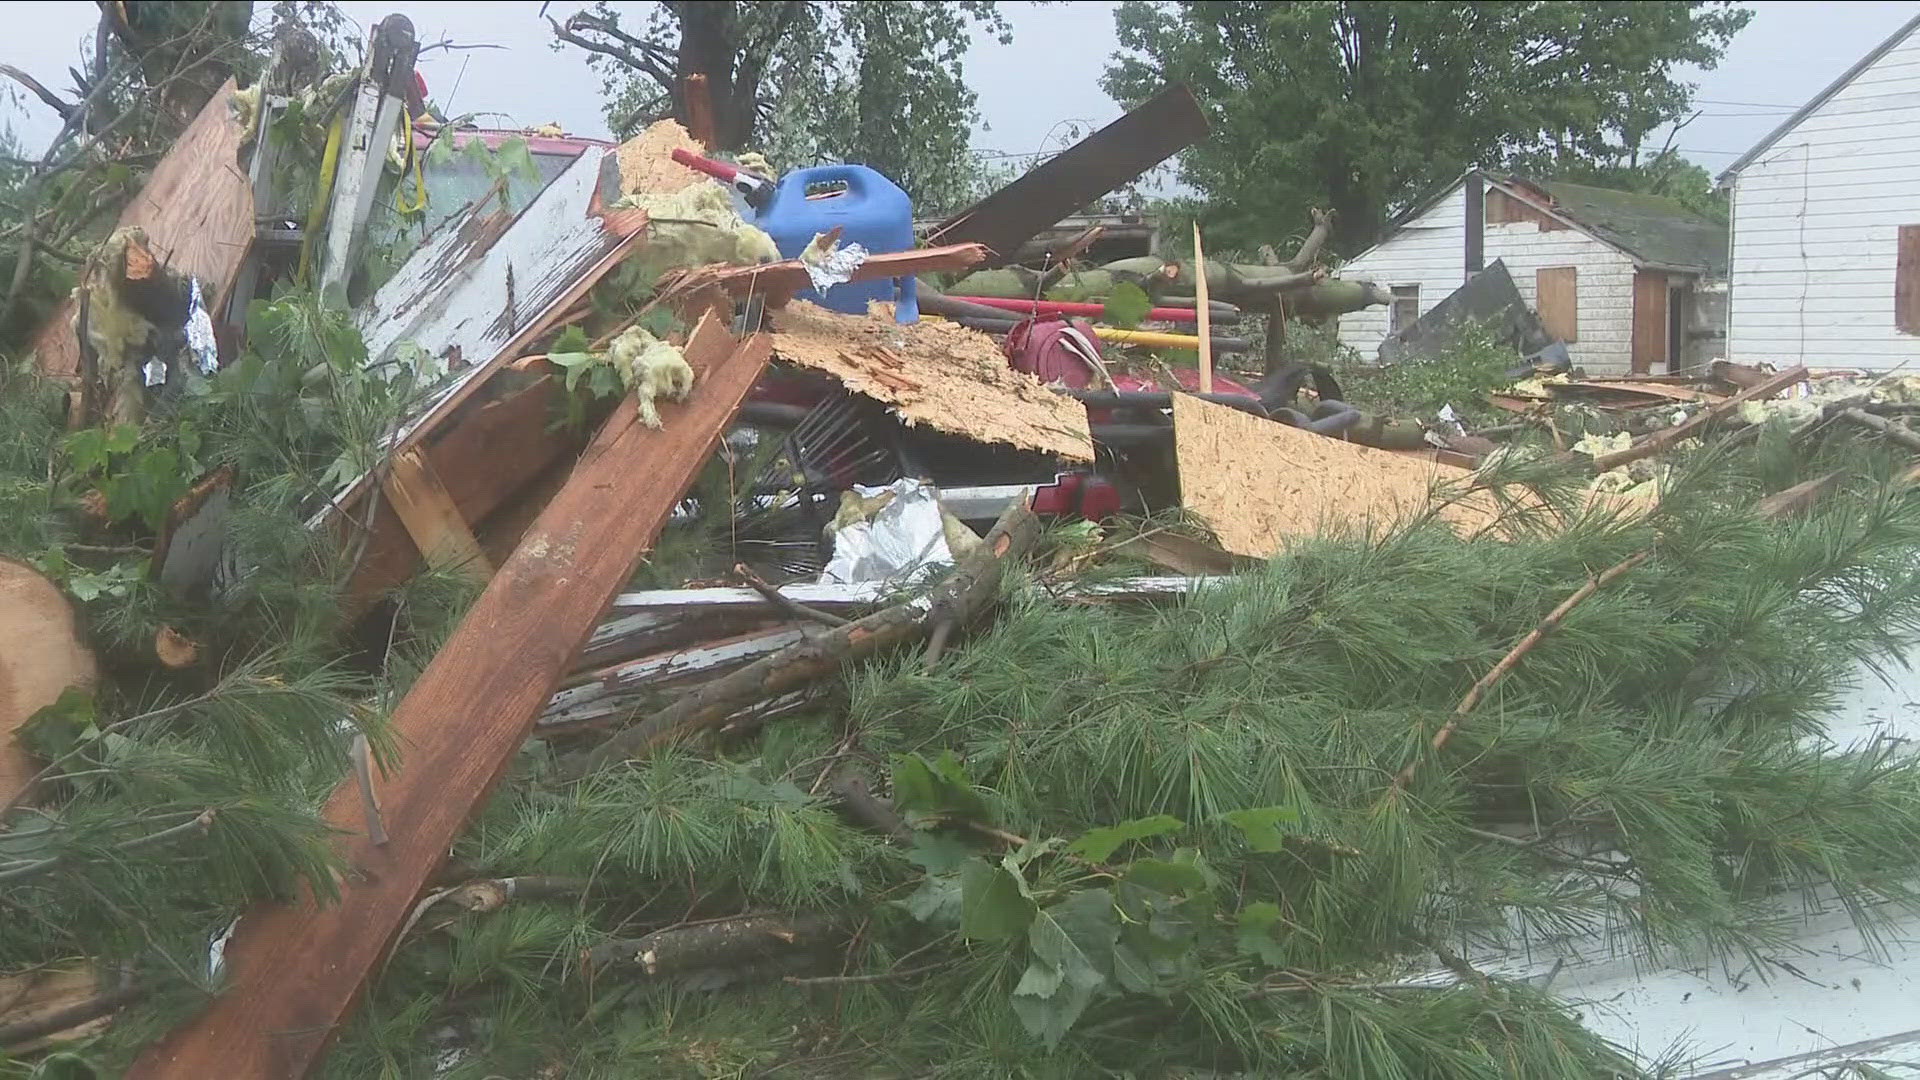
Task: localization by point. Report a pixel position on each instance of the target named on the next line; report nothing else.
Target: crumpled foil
(832, 267)
(900, 541)
(206, 354)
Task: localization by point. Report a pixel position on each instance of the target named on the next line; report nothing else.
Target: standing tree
(1370, 107)
(878, 84)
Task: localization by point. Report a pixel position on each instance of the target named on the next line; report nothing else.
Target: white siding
(1816, 220)
(1430, 251)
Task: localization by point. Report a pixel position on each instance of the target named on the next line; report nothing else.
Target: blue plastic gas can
(871, 211)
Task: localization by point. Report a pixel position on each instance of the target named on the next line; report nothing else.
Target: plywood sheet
(197, 210)
(1557, 299)
(1259, 483)
(935, 373)
(1649, 320)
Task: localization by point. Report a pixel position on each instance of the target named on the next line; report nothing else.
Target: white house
(1826, 223)
(1613, 274)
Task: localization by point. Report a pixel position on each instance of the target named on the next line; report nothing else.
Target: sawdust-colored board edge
(298, 970)
(1259, 483)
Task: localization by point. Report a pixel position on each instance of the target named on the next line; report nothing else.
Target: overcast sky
(1029, 91)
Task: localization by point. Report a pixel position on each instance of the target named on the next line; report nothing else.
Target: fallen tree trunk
(963, 595)
(41, 655)
(724, 943)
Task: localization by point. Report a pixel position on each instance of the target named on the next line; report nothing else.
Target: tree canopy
(1369, 107)
(877, 84)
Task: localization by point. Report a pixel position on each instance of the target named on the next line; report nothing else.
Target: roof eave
(1732, 171)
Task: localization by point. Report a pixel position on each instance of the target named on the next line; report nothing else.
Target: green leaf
(574, 364)
(1050, 1018)
(604, 382)
(1261, 826)
(1182, 874)
(992, 906)
(87, 449)
(514, 157)
(939, 788)
(1041, 979)
(57, 728)
(1127, 306)
(122, 439)
(1256, 923)
(936, 901)
(1097, 844)
(571, 340)
(1077, 935)
(938, 854)
(1134, 974)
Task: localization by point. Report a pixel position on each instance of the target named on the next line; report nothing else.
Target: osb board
(646, 160)
(1259, 483)
(935, 373)
(197, 209)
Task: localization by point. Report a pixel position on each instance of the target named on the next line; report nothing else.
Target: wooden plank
(486, 456)
(1556, 291)
(1798, 497)
(779, 281)
(1203, 315)
(1653, 389)
(298, 970)
(1163, 126)
(439, 532)
(1649, 320)
(197, 210)
(1906, 281)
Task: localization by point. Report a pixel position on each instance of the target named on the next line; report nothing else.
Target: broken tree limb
(1310, 247)
(1518, 653)
(1885, 428)
(41, 655)
(965, 592)
(298, 969)
(1658, 441)
(723, 943)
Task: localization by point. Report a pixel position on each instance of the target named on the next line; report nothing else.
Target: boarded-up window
(1406, 308)
(1650, 328)
(1556, 296)
(1906, 282)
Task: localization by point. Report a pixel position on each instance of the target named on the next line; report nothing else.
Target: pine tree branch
(200, 824)
(1518, 653)
(894, 975)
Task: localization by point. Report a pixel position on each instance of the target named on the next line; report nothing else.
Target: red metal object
(1068, 307)
(1077, 494)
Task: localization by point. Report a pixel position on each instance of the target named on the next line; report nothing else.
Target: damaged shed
(1632, 283)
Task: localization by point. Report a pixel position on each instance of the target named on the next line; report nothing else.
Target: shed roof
(1820, 99)
(1652, 228)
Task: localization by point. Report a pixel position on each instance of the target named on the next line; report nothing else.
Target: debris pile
(683, 677)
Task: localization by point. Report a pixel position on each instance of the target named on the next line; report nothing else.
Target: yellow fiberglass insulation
(650, 368)
(697, 226)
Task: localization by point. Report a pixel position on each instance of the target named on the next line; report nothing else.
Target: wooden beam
(298, 970)
(1798, 497)
(442, 535)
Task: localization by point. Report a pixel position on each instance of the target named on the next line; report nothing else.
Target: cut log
(298, 969)
(41, 655)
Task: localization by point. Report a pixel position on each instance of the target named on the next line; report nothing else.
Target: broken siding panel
(1604, 311)
(1428, 252)
(1817, 217)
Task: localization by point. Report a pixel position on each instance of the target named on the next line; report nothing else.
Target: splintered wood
(197, 210)
(1259, 483)
(935, 373)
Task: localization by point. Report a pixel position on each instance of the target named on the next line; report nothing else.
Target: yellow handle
(419, 180)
